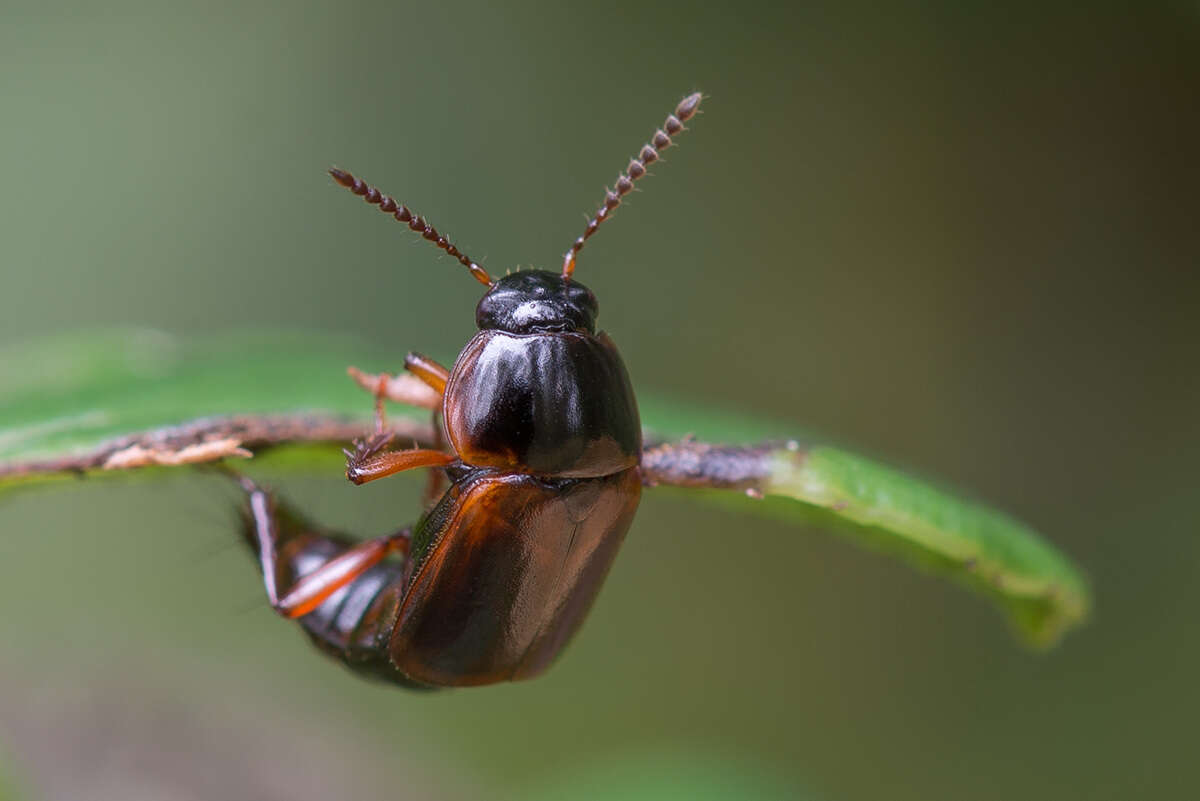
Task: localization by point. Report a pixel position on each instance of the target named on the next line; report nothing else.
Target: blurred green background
(961, 238)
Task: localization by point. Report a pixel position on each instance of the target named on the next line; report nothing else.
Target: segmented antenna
(636, 169)
(402, 213)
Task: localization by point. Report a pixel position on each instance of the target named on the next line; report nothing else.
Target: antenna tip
(341, 176)
(687, 107)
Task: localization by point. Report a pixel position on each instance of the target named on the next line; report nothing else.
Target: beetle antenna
(636, 169)
(402, 214)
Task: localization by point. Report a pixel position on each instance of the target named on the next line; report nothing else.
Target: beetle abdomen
(508, 574)
(550, 403)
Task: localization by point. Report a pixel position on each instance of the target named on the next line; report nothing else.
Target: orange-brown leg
(424, 387)
(429, 371)
(310, 591)
(435, 376)
(437, 481)
(414, 389)
(370, 461)
(407, 389)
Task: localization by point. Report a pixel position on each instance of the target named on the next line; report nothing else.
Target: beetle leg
(354, 622)
(435, 376)
(428, 371)
(435, 484)
(314, 588)
(423, 385)
(404, 388)
(370, 461)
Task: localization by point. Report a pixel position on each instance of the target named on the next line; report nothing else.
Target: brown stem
(700, 464)
(687, 463)
(212, 438)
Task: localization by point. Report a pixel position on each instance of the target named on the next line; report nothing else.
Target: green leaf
(75, 392)
(64, 401)
(1039, 588)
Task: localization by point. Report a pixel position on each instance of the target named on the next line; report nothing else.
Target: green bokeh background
(963, 239)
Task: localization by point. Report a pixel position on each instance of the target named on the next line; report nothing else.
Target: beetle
(528, 501)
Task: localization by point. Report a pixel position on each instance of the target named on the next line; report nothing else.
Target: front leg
(370, 459)
(428, 371)
(406, 389)
(424, 385)
(435, 376)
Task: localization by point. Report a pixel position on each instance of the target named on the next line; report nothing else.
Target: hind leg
(345, 595)
(311, 590)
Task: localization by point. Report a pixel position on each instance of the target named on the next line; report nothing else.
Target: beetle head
(535, 301)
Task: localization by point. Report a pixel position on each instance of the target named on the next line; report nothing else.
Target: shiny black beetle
(544, 445)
